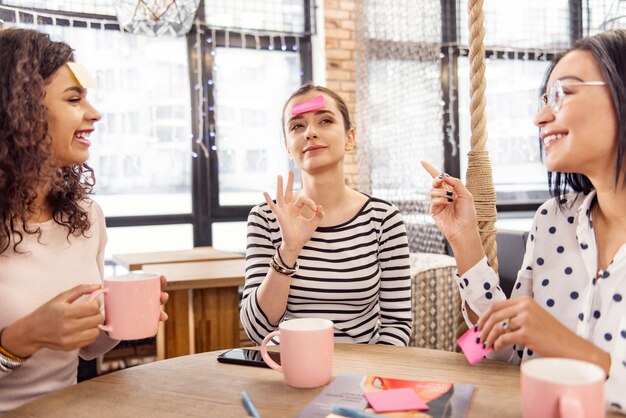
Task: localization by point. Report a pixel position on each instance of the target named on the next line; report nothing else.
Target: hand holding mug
(164, 298)
(59, 324)
(132, 305)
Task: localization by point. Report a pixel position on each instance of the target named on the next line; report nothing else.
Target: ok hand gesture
(295, 228)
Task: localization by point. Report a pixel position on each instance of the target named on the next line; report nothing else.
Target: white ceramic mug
(562, 388)
(132, 305)
(306, 351)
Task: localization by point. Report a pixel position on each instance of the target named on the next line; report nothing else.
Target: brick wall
(339, 18)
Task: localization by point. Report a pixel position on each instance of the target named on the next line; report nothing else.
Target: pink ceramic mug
(132, 305)
(306, 351)
(562, 388)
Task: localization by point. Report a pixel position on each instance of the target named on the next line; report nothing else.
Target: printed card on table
(450, 400)
(393, 400)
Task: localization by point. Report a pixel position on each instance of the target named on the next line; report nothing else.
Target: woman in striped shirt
(326, 250)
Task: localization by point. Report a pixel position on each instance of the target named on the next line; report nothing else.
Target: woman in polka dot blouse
(570, 296)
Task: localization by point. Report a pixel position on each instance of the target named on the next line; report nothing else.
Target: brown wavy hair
(27, 61)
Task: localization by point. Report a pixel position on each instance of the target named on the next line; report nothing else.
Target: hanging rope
(479, 177)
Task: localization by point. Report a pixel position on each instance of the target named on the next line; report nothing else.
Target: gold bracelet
(7, 353)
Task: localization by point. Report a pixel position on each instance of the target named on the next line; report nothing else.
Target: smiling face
(71, 118)
(317, 139)
(582, 136)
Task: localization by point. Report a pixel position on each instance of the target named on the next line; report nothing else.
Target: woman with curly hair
(52, 236)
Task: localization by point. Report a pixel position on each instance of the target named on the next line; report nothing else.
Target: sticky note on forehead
(308, 106)
(82, 75)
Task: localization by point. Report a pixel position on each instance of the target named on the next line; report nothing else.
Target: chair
(436, 301)
(511, 248)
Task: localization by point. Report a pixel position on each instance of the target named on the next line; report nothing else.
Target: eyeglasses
(554, 95)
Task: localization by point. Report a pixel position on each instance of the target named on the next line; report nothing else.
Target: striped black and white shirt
(355, 274)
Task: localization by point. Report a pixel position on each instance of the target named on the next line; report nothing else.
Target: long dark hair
(608, 48)
(27, 61)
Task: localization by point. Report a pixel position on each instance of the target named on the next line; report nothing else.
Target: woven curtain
(398, 108)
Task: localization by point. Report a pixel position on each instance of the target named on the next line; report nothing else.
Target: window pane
(522, 24)
(100, 7)
(403, 20)
(250, 89)
(141, 150)
(230, 236)
(269, 15)
(601, 15)
(513, 140)
(137, 239)
(403, 125)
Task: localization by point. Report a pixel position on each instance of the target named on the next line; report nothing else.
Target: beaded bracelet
(284, 265)
(282, 262)
(278, 267)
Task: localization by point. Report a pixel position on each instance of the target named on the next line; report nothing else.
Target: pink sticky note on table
(308, 106)
(474, 352)
(393, 400)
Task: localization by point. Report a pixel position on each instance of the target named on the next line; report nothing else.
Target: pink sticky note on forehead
(308, 106)
(474, 352)
(393, 400)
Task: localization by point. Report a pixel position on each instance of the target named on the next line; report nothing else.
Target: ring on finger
(506, 325)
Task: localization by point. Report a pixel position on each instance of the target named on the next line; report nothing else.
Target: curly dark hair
(27, 61)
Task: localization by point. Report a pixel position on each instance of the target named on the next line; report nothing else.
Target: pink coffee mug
(132, 305)
(562, 388)
(306, 351)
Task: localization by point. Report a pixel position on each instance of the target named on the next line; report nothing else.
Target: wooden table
(203, 307)
(198, 385)
(135, 261)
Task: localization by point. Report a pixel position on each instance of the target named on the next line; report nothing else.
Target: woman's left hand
(522, 321)
(164, 298)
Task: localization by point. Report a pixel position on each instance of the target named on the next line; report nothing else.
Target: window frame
(451, 49)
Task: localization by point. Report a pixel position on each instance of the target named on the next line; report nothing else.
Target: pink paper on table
(393, 400)
(474, 352)
(308, 106)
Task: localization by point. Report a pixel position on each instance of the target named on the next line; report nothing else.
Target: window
(257, 122)
(512, 93)
(133, 239)
(268, 15)
(256, 160)
(520, 38)
(522, 24)
(177, 142)
(599, 15)
(100, 7)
